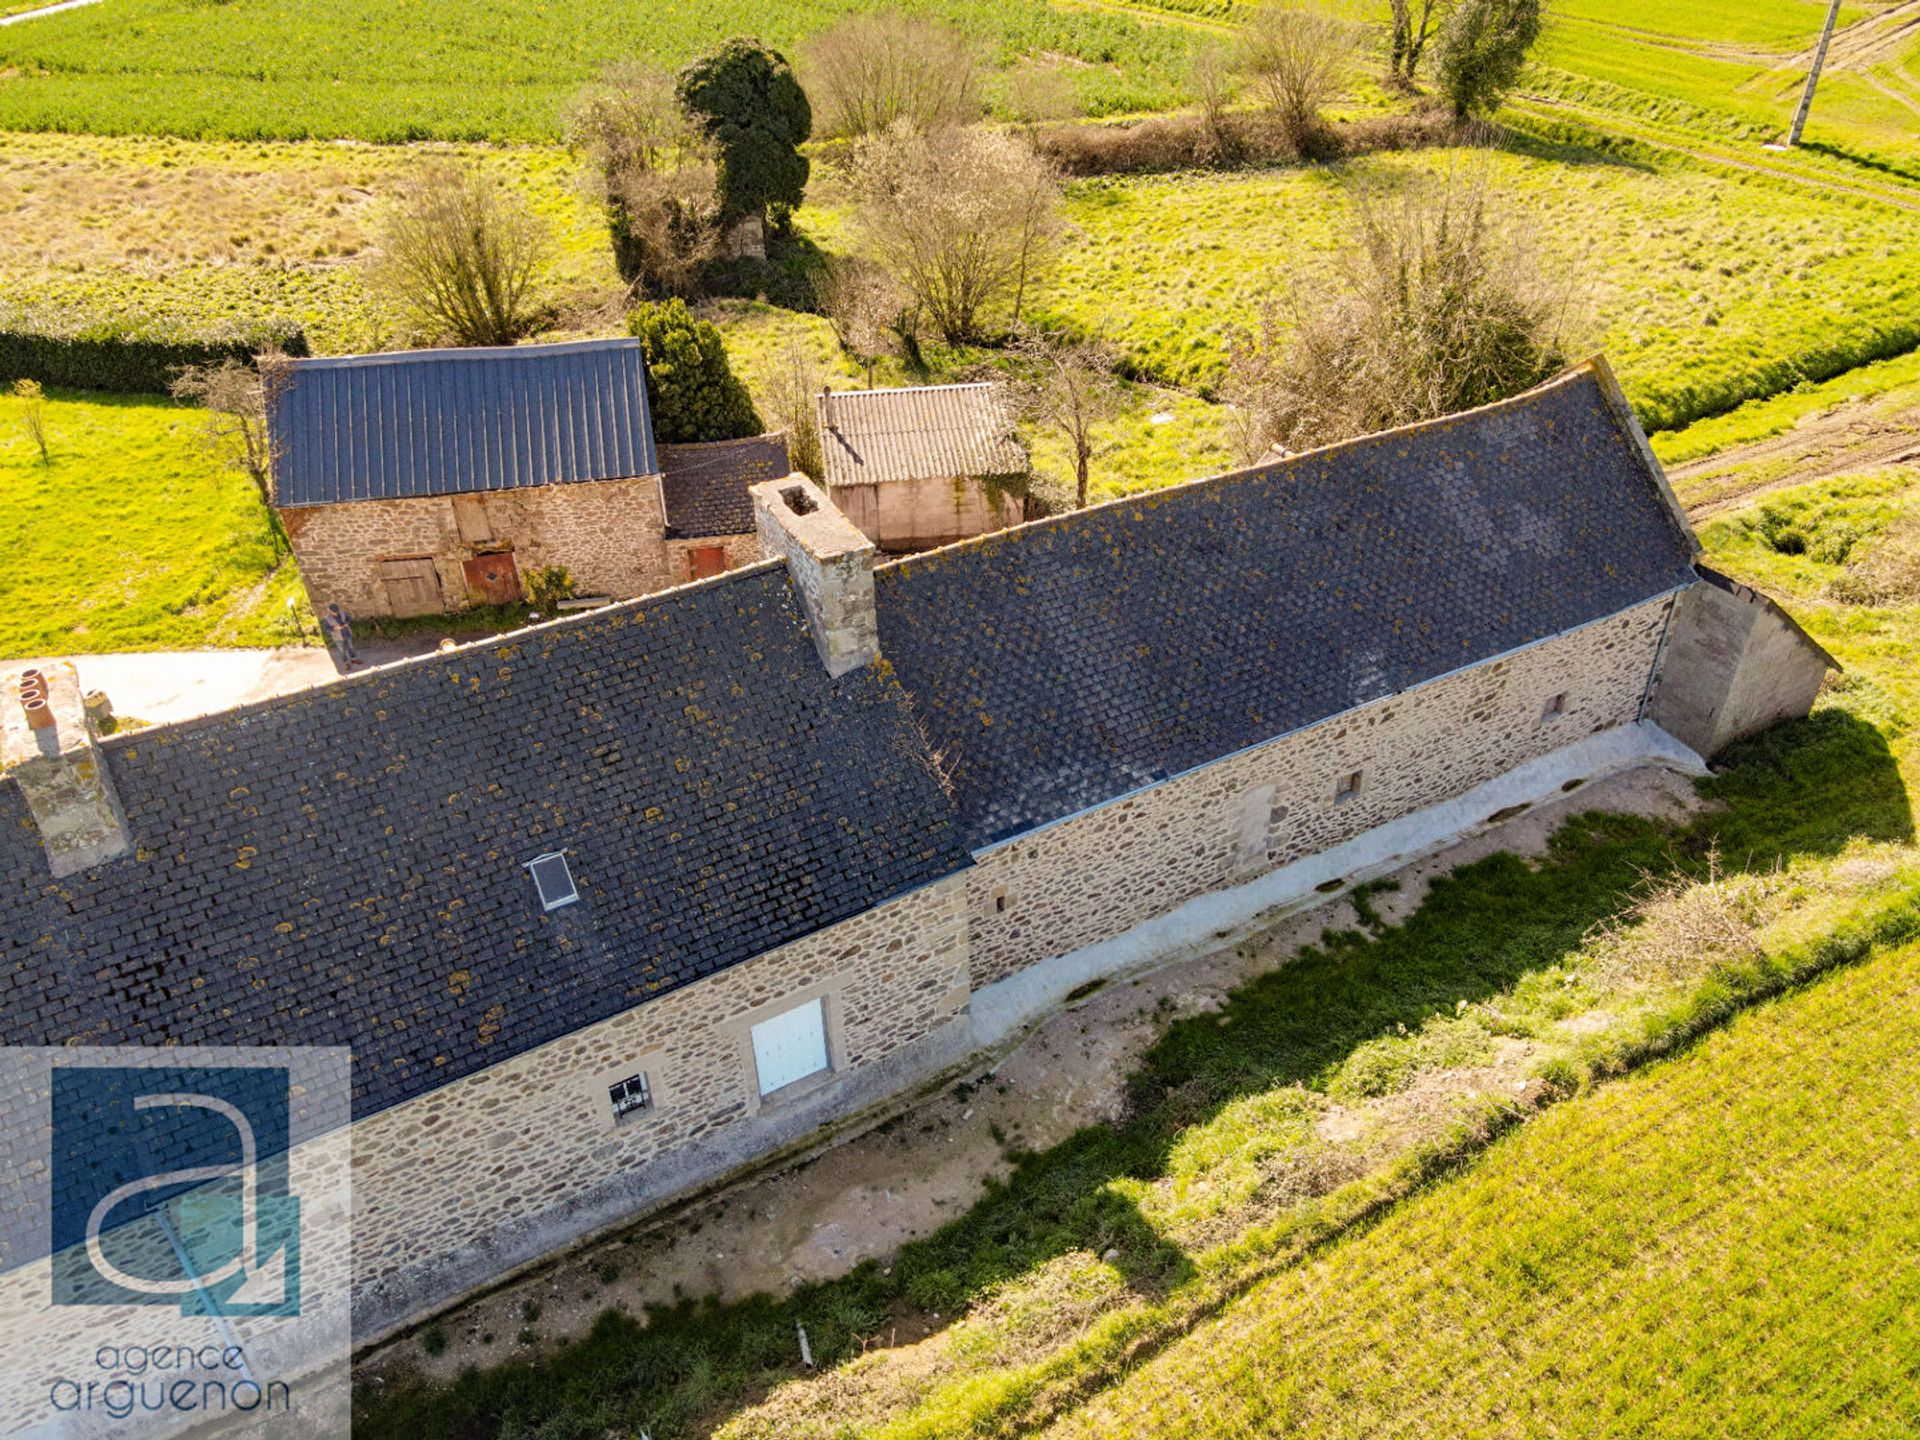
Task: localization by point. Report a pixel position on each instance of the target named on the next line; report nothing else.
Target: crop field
(1721, 1245)
(471, 69)
(1706, 289)
(132, 538)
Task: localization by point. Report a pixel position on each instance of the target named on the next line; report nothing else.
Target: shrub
(434, 1340)
(462, 256)
(872, 72)
(546, 586)
(1884, 570)
(31, 401)
(129, 353)
(693, 391)
(1440, 312)
(746, 99)
(1294, 60)
(962, 220)
(1483, 46)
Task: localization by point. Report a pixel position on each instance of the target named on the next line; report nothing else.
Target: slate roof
(706, 485)
(345, 865)
(930, 432)
(1064, 663)
(441, 422)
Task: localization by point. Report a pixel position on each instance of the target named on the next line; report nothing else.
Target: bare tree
(962, 220)
(864, 306)
(462, 256)
(1069, 388)
(789, 400)
(1440, 310)
(872, 72)
(655, 171)
(234, 395)
(32, 403)
(1295, 59)
(1215, 81)
(1411, 25)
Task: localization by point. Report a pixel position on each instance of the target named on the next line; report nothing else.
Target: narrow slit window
(1555, 707)
(1348, 787)
(631, 1096)
(553, 880)
(1001, 901)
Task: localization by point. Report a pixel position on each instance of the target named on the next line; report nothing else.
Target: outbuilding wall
(501, 1167)
(1094, 875)
(907, 515)
(607, 532)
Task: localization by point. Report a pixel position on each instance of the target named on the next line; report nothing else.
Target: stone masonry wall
(607, 532)
(741, 550)
(1095, 875)
(537, 1132)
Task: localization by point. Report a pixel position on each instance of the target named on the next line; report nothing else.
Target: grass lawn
(1722, 1245)
(132, 538)
(1424, 1039)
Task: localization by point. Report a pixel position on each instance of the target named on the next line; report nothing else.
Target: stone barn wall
(1095, 875)
(527, 1155)
(607, 532)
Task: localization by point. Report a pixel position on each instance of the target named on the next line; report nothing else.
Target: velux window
(553, 880)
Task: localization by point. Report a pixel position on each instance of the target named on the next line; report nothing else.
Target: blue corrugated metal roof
(440, 422)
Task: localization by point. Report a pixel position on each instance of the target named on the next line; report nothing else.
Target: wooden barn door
(412, 586)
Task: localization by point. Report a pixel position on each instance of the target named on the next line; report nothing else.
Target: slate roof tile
(706, 485)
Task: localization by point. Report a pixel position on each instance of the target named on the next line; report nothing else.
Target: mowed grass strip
(1723, 1244)
(132, 538)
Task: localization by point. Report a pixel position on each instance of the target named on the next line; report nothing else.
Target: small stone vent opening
(798, 501)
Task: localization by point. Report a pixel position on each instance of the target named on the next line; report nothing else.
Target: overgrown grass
(132, 538)
(1714, 1247)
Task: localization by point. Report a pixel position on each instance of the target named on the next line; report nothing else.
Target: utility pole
(1813, 76)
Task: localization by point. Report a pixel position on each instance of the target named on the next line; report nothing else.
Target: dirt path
(1852, 437)
(45, 10)
(867, 1197)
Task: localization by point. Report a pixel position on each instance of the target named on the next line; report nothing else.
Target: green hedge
(136, 354)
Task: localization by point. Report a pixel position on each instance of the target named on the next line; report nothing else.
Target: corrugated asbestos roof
(440, 422)
(706, 485)
(933, 432)
(1062, 664)
(344, 866)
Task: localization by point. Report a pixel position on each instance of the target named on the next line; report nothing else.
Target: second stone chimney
(832, 567)
(48, 748)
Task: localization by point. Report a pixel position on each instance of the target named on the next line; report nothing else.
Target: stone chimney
(832, 567)
(48, 748)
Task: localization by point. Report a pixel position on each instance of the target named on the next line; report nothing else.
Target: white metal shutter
(790, 1047)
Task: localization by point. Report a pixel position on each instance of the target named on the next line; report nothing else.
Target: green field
(1706, 289)
(1722, 1245)
(132, 538)
(470, 69)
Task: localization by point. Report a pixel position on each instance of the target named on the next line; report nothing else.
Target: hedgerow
(131, 354)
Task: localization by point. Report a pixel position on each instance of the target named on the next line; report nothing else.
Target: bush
(871, 72)
(1483, 46)
(746, 99)
(132, 354)
(546, 586)
(693, 391)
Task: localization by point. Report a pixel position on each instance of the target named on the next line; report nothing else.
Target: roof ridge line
(438, 354)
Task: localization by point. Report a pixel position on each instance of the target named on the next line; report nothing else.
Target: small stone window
(1002, 902)
(1555, 707)
(553, 880)
(1348, 787)
(630, 1096)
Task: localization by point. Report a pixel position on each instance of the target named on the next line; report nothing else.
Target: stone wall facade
(607, 532)
(902, 516)
(526, 1155)
(1095, 875)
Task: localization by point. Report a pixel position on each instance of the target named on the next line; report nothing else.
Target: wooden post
(1813, 75)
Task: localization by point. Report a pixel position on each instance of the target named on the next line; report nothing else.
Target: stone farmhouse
(922, 467)
(420, 482)
(614, 906)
